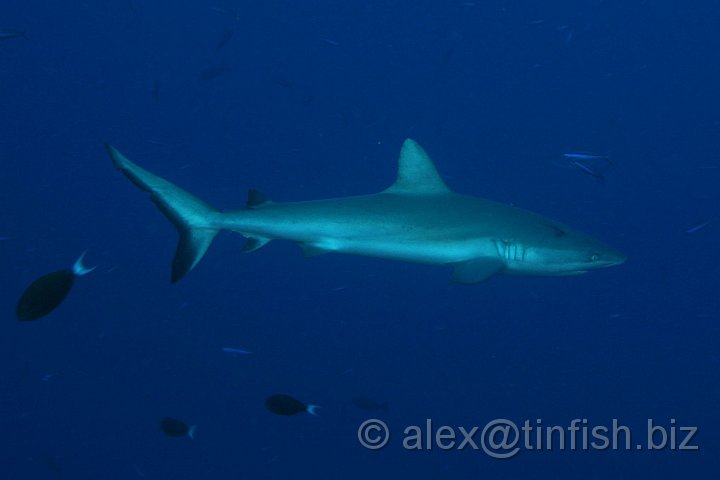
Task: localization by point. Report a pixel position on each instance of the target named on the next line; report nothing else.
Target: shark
(417, 219)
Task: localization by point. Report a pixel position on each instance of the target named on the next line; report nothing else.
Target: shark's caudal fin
(191, 216)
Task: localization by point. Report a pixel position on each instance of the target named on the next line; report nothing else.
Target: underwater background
(312, 99)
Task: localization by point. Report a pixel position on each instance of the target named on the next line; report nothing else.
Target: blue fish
(584, 168)
(584, 156)
(589, 164)
(700, 226)
(236, 351)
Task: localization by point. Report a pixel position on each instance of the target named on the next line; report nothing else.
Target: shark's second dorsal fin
(417, 174)
(256, 198)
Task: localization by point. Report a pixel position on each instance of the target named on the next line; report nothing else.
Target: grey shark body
(418, 219)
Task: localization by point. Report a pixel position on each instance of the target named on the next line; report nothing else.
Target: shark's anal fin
(254, 243)
(416, 173)
(476, 270)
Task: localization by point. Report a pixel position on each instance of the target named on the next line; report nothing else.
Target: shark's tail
(192, 217)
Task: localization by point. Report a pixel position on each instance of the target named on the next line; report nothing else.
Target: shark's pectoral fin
(310, 250)
(476, 270)
(254, 243)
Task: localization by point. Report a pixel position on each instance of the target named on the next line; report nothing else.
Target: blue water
(313, 99)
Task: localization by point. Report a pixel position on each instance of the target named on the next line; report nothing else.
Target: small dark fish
(47, 292)
(224, 39)
(368, 404)
(9, 33)
(211, 73)
(172, 427)
(280, 404)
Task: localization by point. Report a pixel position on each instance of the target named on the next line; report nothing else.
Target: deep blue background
(314, 101)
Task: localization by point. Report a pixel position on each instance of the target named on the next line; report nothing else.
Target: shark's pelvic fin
(192, 217)
(417, 174)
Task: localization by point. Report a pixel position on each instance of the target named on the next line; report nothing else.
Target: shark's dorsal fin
(417, 174)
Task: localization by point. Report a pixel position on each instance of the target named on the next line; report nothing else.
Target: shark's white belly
(432, 252)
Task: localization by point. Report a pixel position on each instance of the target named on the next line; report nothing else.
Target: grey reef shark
(417, 219)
